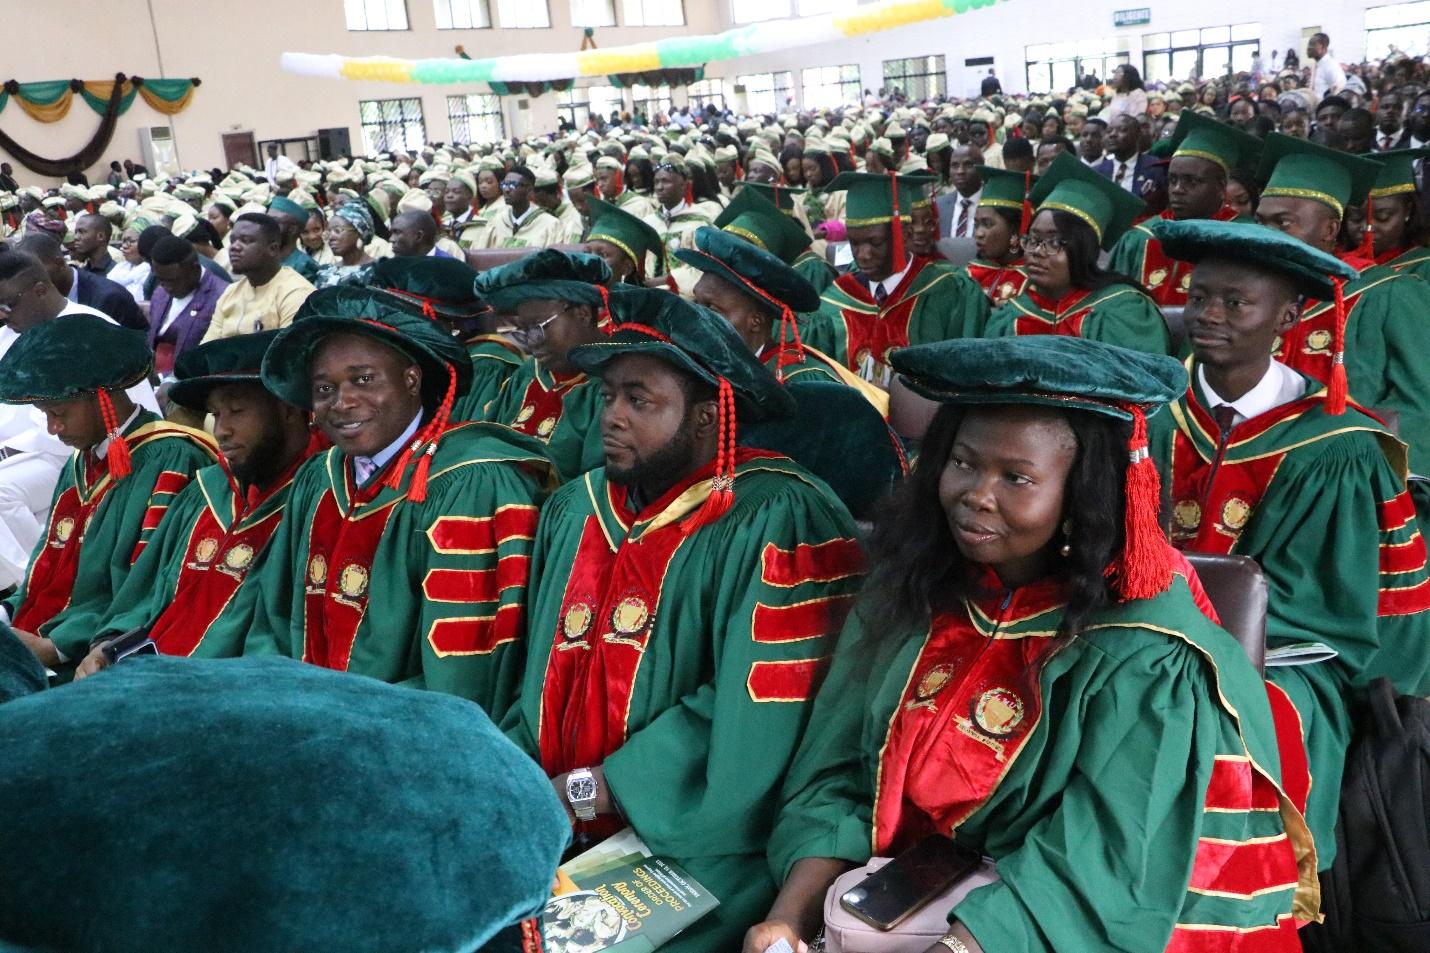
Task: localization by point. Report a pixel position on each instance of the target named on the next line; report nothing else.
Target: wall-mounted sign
(1135, 17)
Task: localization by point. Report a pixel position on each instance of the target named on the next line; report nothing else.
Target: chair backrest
(909, 414)
(1176, 326)
(1237, 590)
(483, 259)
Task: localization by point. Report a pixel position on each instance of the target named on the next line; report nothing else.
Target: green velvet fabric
(754, 217)
(548, 273)
(1291, 167)
(692, 338)
(871, 197)
(370, 312)
(1071, 185)
(20, 673)
(264, 804)
(611, 223)
(1204, 137)
(1051, 370)
(70, 357)
(1309, 269)
(235, 360)
(286, 206)
(728, 256)
(442, 284)
(839, 437)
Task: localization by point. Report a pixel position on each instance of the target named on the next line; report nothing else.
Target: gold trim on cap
(1079, 213)
(1282, 191)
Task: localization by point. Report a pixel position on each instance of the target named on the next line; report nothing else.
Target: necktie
(363, 468)
(1122, 174)
(1225, 415)
(1384, 143)
(963, 207)
(880, 295)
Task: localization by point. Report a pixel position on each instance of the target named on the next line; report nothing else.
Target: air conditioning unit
(157, 150)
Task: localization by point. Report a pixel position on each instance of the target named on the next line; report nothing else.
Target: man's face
(1242, 113)
(517, 190)
(977, 134)
(1387, 116)
(872, 251)
(457, 200)
(648, 431)
(75, 423)
(249, 251)
(579, 196)
(1306, 219)
(918, 138)
(1419, 118)
(436, 192)
(272, 150)
(364, 393)
(1196, 187)
(1234, 314)
(22, 301)
(408, 239)
(669, 187)
(963, 169)
(1314, 49)
(248, 425)
(749, 320)
(90, 235)
(1297, 124)
(180, 279)
(1092, 140)
(1047, 152)
(1328, 114)
(545, 198)
(1356, 134)
(725, 172)
(549, 329)
(1123, 136)
(923, 231)
(606, 181)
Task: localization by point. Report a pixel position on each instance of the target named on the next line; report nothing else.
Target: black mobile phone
(890, 894)
(131, 643)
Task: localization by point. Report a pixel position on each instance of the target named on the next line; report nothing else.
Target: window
(1211, 51)
(376, 14)
(523, 14)
(475, 118)
(592, 13)
(390, 124)
(653, 12)
(1402, 27)
(767, 92)
(755, 11)
(918, 77)
(706, 91)
(577, 104)
(462, 14)
(651, 100)
(828, 87)
(1055, 67)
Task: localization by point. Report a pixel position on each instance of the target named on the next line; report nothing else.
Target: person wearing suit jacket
(1134, 170)
(82, 286)
(183, 302)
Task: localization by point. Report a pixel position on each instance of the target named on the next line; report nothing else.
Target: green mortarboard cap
(632, 235)
(1218, 142)
(286, 206)
(691, 338)
(234, 360)
(1397, 171)
(780, 196)
(1004, 189)
(1072, 186)
(871, 197)
(1048, 370)
(754, 271)
(754, 218)
(354, 309)
(1295, 168)
(548, 273)
(73, 356)
(443, 284)
(1256, 246)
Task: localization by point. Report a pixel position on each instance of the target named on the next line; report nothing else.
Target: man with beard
(1204, 151)
(186, 590)
(683, 599)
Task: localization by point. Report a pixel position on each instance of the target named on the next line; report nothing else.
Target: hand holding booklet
(616, 896)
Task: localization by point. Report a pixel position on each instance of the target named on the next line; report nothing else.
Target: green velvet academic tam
(1308, 269)
(70, 357)
(753, 271)
(234, 360)
(263, 805)
(546, 274)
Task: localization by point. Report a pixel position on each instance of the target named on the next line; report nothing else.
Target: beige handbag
(846, 933)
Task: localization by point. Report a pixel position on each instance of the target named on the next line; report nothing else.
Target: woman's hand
(762, 936)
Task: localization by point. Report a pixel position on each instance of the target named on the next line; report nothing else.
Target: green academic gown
(1416, 261)
(187, 588)
(1320, 503)
(933, 302)
(1126, 782)
(1117, 314)
(1138, 255)
(303, 263)
(99, 526)
(494, 359)
(1387, 327)
(683, 661)
(429, 594)
(814, 269)
(564, 413)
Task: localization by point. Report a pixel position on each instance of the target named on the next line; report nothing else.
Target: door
(239, 147)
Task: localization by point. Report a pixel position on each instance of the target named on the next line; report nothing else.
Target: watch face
(581, 789)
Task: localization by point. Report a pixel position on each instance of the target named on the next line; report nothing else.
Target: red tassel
(689, 194)
(896, 227)
(1367, 238)
(787, 355)
(1026, 221)
(1146, 568)
(428, 435)
(121, 464)
(739, 171)
(620, 184)
(722, 485)
(1337, 388)
(603, 320)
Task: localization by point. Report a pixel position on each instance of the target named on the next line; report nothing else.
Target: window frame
(1421, 28)
(465, 115)
(523, 5)
(940, 74)
(841, 84)
(485, 5)
(1046, 57)
(373, 147)
(775, 90)
(697, 97)
(610, 7)
(641, 20)
(365, 6)
(1174, 47)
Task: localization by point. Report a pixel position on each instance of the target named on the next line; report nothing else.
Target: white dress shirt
(1128, 169)
(1279, 385)
(967, 231)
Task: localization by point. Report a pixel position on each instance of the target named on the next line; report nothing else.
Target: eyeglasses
(1043, 246)
(529, 337)
(511, 186)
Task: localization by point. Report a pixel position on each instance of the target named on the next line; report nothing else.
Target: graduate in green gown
(1030, 671)
(684, 597)
(557, 301)
(1396, 230)
(1078, 212)
(403, 552)
(1262, 464)
(1204, 151)
(186, 589)
(127, 468)
(754, 215)
(628, 245)
(1374, 339)
(891, 299)
(441, 288)
(998, 227)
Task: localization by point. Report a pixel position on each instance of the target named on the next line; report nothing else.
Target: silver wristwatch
(581, 793)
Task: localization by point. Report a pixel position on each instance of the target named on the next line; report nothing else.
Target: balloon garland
(757, 38)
